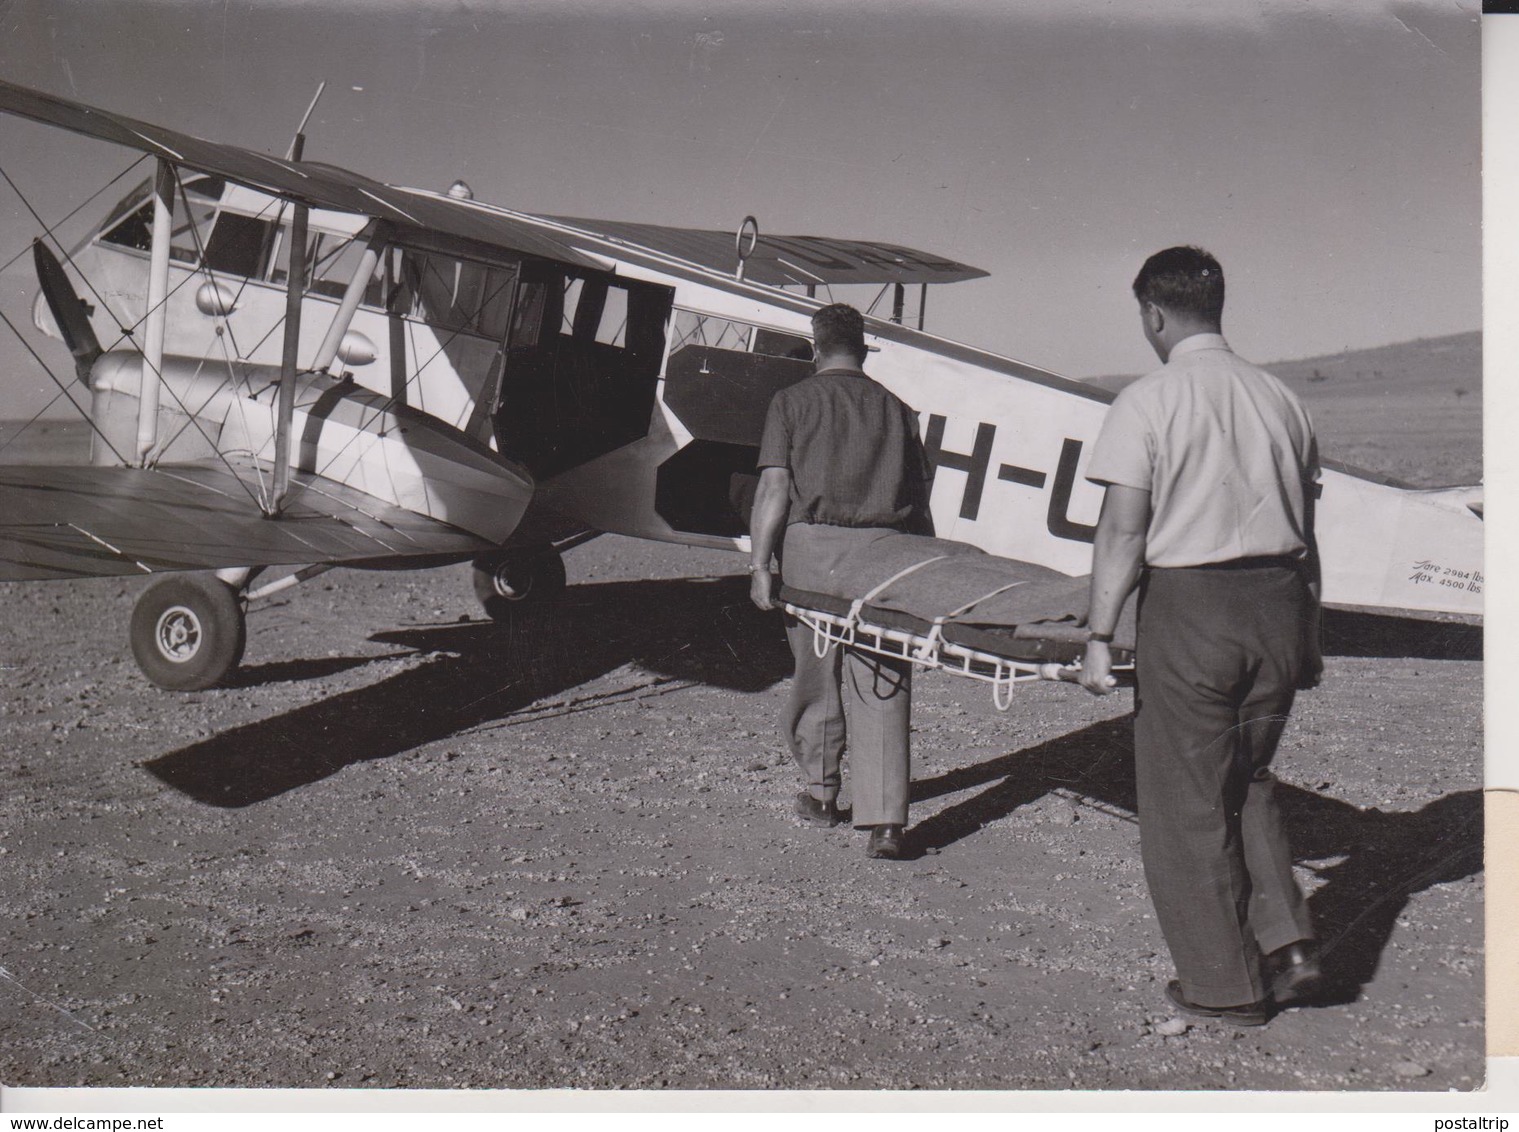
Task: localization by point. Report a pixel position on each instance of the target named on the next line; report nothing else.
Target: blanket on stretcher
(979, 601)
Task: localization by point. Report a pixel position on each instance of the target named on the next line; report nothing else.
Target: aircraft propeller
(68, 310)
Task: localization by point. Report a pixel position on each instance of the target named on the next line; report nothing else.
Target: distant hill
(45, 441)
(1412, 410)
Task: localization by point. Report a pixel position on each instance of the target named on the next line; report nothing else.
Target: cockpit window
(190, 231)
(211, 188)
(458, 294)
(134, 231)
(238, 244)
(194, 213)
(693, 329)
(612, 328)
(129, 203)
(778, 345)
(334, 259)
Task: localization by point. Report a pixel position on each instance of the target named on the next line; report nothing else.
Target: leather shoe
(1293, 972)
(1248, 1014)
(816, 812)
(886, 842)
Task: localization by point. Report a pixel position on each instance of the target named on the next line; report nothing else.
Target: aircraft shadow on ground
(1368, 862)
(701, 631)
(705, 631)
(1372, 635)
(294, 671)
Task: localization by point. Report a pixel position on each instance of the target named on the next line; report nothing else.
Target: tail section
(1401, 550)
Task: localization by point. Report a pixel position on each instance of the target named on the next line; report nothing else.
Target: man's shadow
(474, 673)
(706, 631)
(1368, 862)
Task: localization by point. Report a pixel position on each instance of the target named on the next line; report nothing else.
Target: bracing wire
(63, 389)
(48, 231)
(77, 209)
(125, 334)
(414, 380)
(35, 418)
(229, 349)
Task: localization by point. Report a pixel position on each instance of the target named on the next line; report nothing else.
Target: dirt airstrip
(410, 847)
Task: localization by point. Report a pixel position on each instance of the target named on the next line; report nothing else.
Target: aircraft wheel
(504, 582)
(188, 632)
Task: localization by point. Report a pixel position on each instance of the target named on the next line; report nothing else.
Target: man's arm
(922, 521)
(1118, 554)
(772, 500)
(1310, 516)
(1313, 642)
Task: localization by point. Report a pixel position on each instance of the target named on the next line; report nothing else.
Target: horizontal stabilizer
(786, 260)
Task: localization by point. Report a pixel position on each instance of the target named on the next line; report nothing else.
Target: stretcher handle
(1071, 674)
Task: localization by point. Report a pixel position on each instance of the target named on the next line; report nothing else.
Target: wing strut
(351, 298)
(158, 297)
(295, 284)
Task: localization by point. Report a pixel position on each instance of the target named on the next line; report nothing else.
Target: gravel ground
(413, 848)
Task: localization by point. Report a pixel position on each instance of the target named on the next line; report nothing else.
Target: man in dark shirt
(839, 462)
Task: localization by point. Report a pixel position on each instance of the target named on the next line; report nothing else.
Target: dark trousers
(1220, 654)
(878, 692)
(845, 696)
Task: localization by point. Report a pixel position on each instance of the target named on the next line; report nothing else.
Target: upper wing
(75, 522)
(306, 182)
(779, 260)
(775, 260)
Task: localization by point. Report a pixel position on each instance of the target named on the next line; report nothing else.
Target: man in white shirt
(1210, 466)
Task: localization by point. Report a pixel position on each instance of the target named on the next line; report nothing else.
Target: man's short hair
(839, 328)
(1186, 280)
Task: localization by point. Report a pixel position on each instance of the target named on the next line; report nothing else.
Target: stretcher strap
(936, 629)
(860, 603)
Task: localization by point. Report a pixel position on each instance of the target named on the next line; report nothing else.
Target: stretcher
(955, 609)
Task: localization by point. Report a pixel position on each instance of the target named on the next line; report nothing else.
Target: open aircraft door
(579, 376)
(583, 356)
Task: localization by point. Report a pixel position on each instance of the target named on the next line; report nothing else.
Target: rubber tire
(209, 615)
(533, 578)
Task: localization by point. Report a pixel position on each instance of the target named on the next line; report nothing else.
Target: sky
(1328, 152)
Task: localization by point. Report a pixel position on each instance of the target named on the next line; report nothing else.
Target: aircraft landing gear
(188, 632)
(507, 580)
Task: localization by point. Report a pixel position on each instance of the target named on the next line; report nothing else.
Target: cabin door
(583, 356)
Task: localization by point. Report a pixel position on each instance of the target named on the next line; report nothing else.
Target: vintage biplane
(291, 365)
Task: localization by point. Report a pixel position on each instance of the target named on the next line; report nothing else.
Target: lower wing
(79, 522)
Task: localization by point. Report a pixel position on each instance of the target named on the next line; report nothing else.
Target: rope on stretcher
(859, 604)
(930, 644)
(926, 650)
(830, 629)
